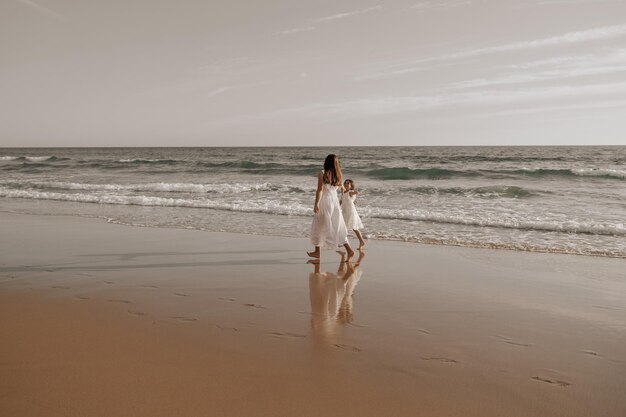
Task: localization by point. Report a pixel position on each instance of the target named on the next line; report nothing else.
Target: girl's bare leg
(360, 237)
(315, 253)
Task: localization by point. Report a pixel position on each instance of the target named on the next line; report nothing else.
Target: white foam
(282, 207)
(28, 158)
(593, 172)
(248, 206)
(222, 188)
(570, 226)
(143, 160)
(37, 158)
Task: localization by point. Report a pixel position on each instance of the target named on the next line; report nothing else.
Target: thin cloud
(295, 30)
(570, 67)
(42, 9)
(572, 2)
(547, 62)
(567, 38)
(588, 35)
(327, 19)
(541, 76)
(218, 91)
(410, 104)
(347, 14)
(429, 5)
(546, 109)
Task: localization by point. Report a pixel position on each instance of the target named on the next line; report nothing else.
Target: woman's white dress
(328, 229)
(353, 221)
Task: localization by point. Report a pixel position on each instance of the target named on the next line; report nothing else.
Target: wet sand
(106, 320)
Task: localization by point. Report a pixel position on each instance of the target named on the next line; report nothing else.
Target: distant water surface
(555, 199)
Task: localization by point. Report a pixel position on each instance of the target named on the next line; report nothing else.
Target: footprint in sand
(184, 319)
(136, 313)
(226, 329)
(109, 282)
(226, 299)
(590, 352)
(112, 300)
(440, 359)
(284, 335)
(552, 381)
(347, 347)
(149, 286)
(60, 287)
(82, 297)
(180, 294)
(254, 305)
(510, 341)
(423, 331)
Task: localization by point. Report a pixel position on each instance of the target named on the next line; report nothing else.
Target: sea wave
(256, 206)
(32, 158)
(438, 170)
(446, 159)
(592, 172)
(570, 226)
(261, 167)
(576, 172)
(282, 207)
(492, 191)
(149, 161)
(518, 246)
(403, 173)
(32, 167)
(221, 188)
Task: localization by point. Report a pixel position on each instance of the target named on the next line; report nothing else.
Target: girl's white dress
(328, 229)
(353, 221)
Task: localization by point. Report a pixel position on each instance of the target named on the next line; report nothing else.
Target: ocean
(548, 199)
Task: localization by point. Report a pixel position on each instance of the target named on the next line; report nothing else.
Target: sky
(308, 73)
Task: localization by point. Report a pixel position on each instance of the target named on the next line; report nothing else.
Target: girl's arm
(353, 193)
(318, 192)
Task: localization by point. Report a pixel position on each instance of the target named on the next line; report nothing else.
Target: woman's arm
(318, 192)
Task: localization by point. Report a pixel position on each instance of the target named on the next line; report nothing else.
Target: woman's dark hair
(332, 171)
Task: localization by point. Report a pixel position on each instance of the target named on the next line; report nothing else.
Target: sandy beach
(100, 319)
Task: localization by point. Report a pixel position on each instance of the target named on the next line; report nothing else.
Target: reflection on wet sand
(331, 296)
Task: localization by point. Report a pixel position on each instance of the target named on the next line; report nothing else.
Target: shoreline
(104, 318)
(427, 242)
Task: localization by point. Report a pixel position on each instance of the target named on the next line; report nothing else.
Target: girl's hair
(349, 181)
(332, 171)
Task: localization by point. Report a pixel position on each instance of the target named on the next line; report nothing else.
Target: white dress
(353, 221)
(328, 229)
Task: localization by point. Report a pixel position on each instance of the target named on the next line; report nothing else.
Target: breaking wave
(281, 207)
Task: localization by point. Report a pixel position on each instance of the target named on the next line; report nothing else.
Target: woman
(329, 229)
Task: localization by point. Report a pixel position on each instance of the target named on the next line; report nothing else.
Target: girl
(329, 229)
(353, 221)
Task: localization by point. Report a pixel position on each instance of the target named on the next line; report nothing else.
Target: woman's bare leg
(360, 237)
(349, 251)
(315, 253)
(342, 262)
